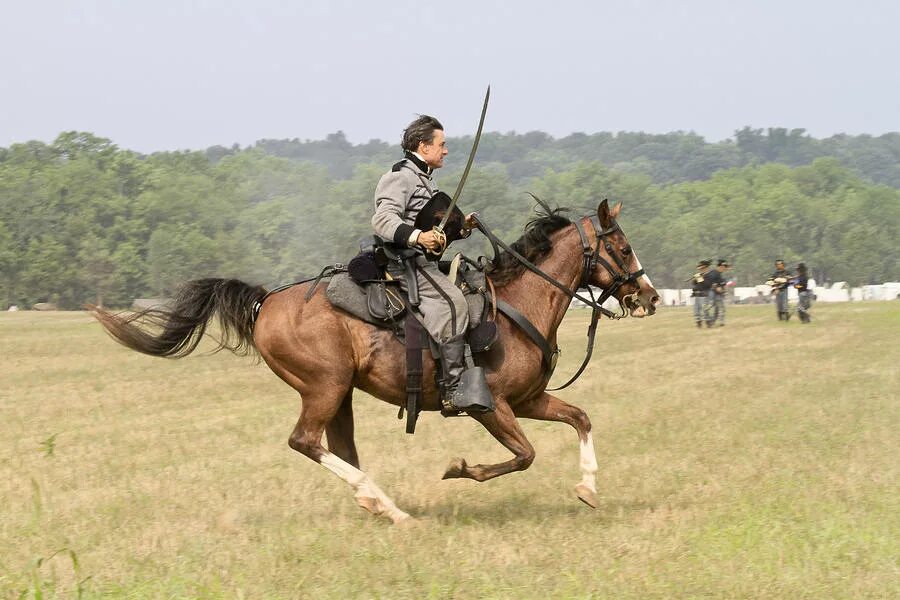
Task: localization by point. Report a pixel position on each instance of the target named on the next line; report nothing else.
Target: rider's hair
(420, 130)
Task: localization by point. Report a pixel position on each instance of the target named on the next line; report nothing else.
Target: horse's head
(615, 265)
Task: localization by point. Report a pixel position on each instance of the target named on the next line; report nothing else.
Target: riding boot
(463, 389)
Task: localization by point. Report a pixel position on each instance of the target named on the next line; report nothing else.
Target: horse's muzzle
(641, 304)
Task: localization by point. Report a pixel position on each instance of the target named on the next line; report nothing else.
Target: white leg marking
(588, 463)
(368, 494)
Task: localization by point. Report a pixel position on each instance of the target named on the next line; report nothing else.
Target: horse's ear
(603, 213)
(614, 213)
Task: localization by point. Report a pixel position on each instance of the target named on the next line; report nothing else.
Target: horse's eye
(626, 250)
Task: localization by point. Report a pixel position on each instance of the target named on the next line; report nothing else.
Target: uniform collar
(417, 160)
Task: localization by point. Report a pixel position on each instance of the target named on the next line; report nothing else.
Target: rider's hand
(471, 221)
(428, 241)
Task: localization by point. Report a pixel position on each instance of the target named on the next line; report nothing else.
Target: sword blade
(462, 181)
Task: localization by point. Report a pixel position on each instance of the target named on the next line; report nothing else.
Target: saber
(439, 229)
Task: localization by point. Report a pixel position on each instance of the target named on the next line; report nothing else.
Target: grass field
(759, 460)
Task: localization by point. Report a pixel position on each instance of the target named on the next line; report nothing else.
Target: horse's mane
(534, 244)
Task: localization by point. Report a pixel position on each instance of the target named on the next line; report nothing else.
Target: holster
(406, 257)
(412, 283)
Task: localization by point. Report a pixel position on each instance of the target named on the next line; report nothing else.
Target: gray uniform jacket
(399, 196)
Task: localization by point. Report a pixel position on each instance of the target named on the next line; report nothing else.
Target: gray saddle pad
(346, 294)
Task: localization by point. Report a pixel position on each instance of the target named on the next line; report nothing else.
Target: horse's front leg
(550, 408)
(502, 424)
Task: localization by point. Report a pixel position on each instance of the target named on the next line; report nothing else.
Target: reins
(591, 258)
(595, 304)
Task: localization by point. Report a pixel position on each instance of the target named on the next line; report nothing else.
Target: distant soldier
(718, 289)
(779, 282)
(700, 286)
(801, 284)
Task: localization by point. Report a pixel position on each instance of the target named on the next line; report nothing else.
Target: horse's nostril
(654, 300)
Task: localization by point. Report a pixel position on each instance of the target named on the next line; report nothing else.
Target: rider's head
(779, 264)
(425, 137)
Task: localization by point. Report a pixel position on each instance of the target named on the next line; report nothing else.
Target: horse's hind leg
(502, 424)
(317, 413)
(550, 408)
(339, 432)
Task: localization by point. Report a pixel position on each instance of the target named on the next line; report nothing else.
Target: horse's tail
(184, 321)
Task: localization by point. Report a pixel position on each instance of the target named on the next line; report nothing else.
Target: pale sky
(167, 75)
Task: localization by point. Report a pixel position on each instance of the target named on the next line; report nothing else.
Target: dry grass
(754, 461)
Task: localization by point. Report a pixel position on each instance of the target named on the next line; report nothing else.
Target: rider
(779, 282)
(401, 194)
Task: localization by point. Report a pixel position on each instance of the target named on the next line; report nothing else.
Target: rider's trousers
(442, 305)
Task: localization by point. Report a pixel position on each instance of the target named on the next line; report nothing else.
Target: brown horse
(324, 353)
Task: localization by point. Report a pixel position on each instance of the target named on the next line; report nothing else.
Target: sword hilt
(441, 238)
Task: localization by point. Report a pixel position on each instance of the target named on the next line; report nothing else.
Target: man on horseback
(405, 195)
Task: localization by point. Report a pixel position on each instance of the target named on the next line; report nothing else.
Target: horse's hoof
(455, 469)
(370, 504)
(586, 495)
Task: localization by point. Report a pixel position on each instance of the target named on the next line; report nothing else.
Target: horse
(325, 353)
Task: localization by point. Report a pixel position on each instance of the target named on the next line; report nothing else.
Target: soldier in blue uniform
(718, 291)
(700, 288)
(801, 284)
(779, 282)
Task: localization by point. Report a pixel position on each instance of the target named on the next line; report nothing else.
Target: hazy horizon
(189, 76)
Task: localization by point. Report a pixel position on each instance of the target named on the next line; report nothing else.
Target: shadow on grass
(525, 509)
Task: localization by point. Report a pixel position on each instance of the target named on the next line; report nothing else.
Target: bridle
(591, 258)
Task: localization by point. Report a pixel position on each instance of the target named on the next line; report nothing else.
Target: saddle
(367, 291)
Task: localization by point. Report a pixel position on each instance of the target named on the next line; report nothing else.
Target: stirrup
(471, 394)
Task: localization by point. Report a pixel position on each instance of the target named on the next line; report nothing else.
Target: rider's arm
(391, 198)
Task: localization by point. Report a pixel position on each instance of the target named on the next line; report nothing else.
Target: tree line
(82, 220)
(665, 158)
